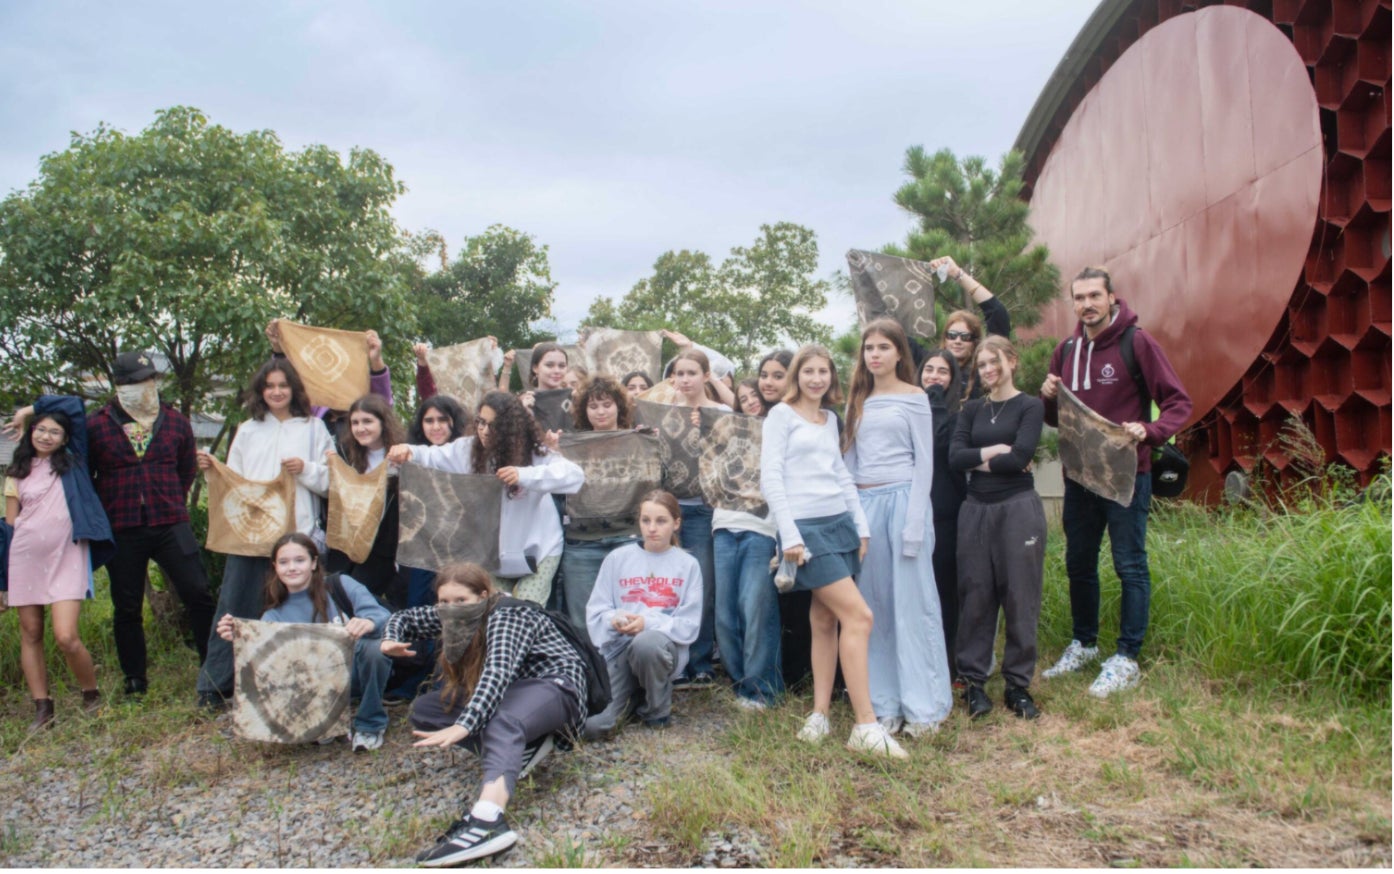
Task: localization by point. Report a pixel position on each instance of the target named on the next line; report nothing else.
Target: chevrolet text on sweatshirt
(663, 587)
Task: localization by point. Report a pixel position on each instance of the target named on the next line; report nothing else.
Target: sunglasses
(959, 335)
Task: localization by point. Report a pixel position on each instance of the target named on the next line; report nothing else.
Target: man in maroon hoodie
(1091, 364)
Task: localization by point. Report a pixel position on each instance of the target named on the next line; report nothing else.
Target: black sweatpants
(175, 549)
(1001, 562)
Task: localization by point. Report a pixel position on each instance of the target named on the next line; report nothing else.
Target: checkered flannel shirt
(148, 490)
(521, 642)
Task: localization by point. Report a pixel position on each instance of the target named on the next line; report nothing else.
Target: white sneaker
(749, 704)
(1075, 656)
(367, 741)
(1119, 673)
(920, 729)
(872, 738)
(892, 724)
(815, 728)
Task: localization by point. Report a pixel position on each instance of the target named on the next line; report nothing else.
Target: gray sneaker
(1075, 656)
(1118, 673)
(367, 741)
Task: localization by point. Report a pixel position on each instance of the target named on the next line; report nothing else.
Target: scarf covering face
(458, 625)
(729, 467)
(140, 400)
(1095, 452)
(291, 681)
(464, 371)
(247, 517)
(679, 445)
(356, 502)
(333, 364)
(889, 287)
(447, 517)
(612, 352)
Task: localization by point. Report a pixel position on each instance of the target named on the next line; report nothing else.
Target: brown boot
(91, 701)
(43, 713)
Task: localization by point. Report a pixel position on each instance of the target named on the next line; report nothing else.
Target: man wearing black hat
(141, 456)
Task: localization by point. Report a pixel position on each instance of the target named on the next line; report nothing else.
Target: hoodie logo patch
(1107, 371)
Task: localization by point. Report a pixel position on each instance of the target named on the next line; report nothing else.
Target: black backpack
(339, 596)
(597, 673)
(1169, 466)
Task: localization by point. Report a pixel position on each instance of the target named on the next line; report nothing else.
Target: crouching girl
(296, 591)
(643, 614)
(510, 680)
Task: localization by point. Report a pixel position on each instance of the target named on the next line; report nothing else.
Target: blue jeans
(243, 595)
(580, 563)
(1085, 517)
(371, 669)
(696, 537)
(747, 613)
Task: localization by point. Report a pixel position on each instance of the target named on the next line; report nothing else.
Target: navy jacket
(89, 519)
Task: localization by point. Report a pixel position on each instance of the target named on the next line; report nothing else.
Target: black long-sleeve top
(950, 487)
(1018, 424)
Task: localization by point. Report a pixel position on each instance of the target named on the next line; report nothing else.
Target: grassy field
(1259, 736)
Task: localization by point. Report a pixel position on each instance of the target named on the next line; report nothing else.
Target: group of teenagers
(901, 523)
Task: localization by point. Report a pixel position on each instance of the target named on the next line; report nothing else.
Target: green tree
(187, 239)
(975, 214)
(761, 296)
(500, 284)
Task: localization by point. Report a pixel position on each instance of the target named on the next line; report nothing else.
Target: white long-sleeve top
(261, 444)
(528, 523)
(663, 587)
(802, 473)
(894, 444)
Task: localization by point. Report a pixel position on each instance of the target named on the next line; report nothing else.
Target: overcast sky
(611, 131)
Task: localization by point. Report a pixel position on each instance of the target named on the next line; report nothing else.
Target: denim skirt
(831, 547)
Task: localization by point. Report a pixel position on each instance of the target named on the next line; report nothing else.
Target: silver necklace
(993, 414)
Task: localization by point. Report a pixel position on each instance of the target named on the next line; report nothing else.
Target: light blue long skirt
(908, 667)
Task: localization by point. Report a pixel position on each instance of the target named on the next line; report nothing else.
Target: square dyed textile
(621, 467)
(553, 409)
(356, 501)
(291, 681)
(729, 466)
(889, 287)
(612, 352)
(447, 517)
(1095, 452)
(464, 371)
(247, 517)
(679, 444)
(333, 364)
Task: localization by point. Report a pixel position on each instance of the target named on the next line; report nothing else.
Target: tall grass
(1299, 596)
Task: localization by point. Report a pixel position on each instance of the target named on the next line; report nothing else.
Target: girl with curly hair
(508, 443)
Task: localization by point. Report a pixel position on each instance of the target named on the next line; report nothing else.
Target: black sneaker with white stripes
(469, 839)
(534, 753)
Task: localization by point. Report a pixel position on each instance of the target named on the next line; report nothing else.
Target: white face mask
(141, 401)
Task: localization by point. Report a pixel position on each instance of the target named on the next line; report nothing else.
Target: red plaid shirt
(142, 490)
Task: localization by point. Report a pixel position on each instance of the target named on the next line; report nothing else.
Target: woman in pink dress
(47, 567)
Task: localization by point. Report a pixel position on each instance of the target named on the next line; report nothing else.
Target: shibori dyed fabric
(447, 517)
(729, 466)
(291, 681)
(889, 287)
(661, 392)
(612, 352)
(522, 360)
(356, 502)
(679, 445)
(621, 467)
(464, 371)
(1095, 452)
(247, 517)
(333, 364)
(553, 409)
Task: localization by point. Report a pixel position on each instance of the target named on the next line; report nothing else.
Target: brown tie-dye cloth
(247, 517)
(1095, 452)
(552, 409)
(679, 444)
(661, 392)
(447, 517)
(333, 364)
(291, 681)
(621, 467)
(356, 502)
(889, 287)
(612, 352)
(464, 371)
(729, 466)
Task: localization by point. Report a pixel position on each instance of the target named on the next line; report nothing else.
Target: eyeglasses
(959, 335)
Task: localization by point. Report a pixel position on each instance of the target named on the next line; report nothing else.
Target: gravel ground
(204, 800)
